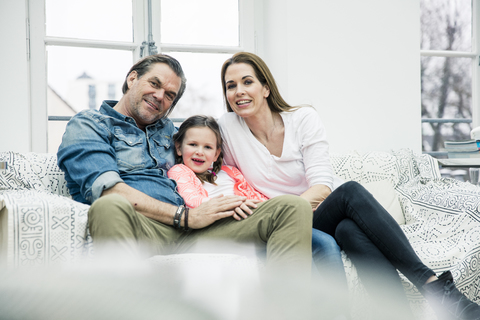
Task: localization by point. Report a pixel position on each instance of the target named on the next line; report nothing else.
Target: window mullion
(81, 43)
(476, 64)
(148, 46)
(247, 25)
(168, 47)
(38, 77)
(156, 23)
(445, 53)
(139, 26)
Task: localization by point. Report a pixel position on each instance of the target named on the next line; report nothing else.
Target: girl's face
(199, 149)
(245, 94)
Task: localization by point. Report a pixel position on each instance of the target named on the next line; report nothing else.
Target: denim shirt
(102, 148)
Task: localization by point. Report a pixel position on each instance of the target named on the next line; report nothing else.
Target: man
(117, 158)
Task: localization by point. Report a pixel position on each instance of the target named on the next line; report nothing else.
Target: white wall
(357, 62)
(15, 133)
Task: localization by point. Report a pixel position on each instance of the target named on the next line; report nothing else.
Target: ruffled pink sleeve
(242, 187)
(189, 186)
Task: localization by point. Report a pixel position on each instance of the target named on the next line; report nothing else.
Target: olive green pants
(280, 230)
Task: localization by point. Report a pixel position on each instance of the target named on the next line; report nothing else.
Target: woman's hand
(316, 194)
(243, 211)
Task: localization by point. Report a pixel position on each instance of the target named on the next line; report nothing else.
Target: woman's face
(245, 94)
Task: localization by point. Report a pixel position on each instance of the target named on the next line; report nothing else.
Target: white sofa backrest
(37, 171)
(382, 173)
(397, 166)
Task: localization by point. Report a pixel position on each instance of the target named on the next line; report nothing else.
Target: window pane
(81, 78)
(90, 19)
(446, 25)
(203, 94)
(55, 133)
(446, 93)
(207, 22)
(84, 77)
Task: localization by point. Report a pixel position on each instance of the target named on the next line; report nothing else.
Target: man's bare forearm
(200, 217)
(144, 204)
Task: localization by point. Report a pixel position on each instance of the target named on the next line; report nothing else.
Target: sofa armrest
(40, 228)
(3, 231)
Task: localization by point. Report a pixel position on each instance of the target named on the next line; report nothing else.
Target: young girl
(198, 145)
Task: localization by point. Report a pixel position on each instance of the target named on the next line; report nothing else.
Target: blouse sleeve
(315, 149)
(189, 186)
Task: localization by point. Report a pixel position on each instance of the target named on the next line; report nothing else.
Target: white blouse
(224, 185)
(304, 162)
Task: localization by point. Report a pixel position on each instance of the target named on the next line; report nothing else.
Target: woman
(283, 150)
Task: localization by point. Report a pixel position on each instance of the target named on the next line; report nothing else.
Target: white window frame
(37, 42)
(474, 55)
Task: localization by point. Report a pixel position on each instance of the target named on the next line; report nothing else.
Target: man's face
(149, 98)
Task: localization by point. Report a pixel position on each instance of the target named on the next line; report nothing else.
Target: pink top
(193, 192)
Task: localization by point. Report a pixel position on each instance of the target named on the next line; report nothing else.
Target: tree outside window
(446, 72)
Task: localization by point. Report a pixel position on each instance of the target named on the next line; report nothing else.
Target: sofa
(40, 225)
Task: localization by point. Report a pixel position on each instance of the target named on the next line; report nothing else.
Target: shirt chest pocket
(130, 151)
(165, 152)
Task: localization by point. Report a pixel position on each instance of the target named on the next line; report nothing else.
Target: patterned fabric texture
(442, 219)
(41, 225)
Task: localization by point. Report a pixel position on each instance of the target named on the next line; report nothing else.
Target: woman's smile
(243, 103)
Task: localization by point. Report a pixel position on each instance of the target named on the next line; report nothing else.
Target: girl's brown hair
(200, 121)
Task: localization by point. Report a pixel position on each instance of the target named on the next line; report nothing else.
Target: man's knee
(295, 203)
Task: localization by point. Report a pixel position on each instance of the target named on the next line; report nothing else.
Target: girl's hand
(243, 211)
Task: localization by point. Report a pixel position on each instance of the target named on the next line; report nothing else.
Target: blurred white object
(474, 176)
(475, 133)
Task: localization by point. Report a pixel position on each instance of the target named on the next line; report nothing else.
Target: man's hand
(215, 209)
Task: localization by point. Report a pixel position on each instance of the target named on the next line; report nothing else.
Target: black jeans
(371, 238)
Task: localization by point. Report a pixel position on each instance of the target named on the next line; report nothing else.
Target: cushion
(384, 192)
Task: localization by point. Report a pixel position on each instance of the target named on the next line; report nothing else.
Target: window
(84, 52)
(449, 72)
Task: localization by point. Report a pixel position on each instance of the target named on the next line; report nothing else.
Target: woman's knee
(345, 231)
(351, 187)
(353, 193)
